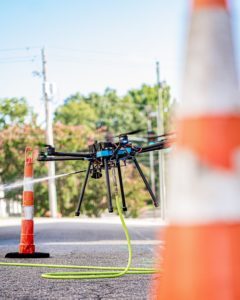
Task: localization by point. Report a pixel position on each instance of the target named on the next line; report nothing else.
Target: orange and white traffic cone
(201, 259)
(27, 247)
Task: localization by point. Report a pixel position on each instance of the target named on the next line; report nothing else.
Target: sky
(94, 44)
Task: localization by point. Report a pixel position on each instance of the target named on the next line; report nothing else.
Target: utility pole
(3, 203)
(161, 161)
(151, 155)
(49, 138)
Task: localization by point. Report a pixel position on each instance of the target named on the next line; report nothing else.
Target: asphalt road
(79, 243)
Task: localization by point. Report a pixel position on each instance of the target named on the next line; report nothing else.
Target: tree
(14, 111)
(14, 136)
(76, 111)
(119, 114)
(13, 141)
(145, 99)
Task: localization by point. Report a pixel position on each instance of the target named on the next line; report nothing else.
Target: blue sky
(92, 45)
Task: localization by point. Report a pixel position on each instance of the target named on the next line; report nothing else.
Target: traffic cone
(201, 259)
(27, 247)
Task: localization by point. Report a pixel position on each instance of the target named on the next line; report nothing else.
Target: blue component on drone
(109, 152)
(124, 140)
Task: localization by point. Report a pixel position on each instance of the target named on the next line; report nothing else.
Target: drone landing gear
(110, 207)
(109, 194)
(77, 213)
(124, 207)
(155, 202)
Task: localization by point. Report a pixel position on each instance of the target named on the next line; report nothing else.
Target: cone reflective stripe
(197, 134)
(201, 259)
(198, 4)
(27, 229)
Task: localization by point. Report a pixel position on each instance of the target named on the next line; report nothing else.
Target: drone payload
(106, 156)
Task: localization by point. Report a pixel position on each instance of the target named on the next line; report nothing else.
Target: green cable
(105, 272)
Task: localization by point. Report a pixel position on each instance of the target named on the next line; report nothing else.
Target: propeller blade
(129, 133)
(161, 135)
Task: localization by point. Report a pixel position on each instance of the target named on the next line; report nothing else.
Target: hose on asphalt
(99, 272)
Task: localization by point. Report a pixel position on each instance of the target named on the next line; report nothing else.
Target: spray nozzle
(50, 150)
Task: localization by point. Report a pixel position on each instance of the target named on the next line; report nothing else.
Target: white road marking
(148, 222)
(103, 243)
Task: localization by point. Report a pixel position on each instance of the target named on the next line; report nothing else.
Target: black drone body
(103, 156)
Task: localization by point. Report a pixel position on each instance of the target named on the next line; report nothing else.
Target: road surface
(79, 242)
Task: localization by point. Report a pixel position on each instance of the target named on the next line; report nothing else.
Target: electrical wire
(18, 61)
(19, 49)
(102, 272)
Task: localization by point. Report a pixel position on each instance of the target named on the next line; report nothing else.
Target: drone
(104, 156)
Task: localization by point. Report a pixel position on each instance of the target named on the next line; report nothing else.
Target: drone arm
(157, 146)
(110, 207)
(77, 213)
(155, 202)
(73, 154)
(121, 186)
(52, 158)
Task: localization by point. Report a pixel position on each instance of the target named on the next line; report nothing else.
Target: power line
(94, 59)
(133, 57)
(89, 51)
(100, 62)
(18, 57)
(102, 52)
(18, 61)
(18, 49)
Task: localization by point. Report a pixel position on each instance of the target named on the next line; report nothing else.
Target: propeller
(129, 133)
(158, 136)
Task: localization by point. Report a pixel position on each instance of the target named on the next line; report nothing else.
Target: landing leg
(110, 207)
(155, 202)
(124, 207)
(77, 213)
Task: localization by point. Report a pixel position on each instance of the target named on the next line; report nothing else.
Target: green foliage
(76, 111)
(120, 114)
(14, 139)
(14, 111)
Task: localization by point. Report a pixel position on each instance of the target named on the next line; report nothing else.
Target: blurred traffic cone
(27, 247)
(201, 260)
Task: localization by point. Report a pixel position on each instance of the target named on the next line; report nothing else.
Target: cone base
(27, 255)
